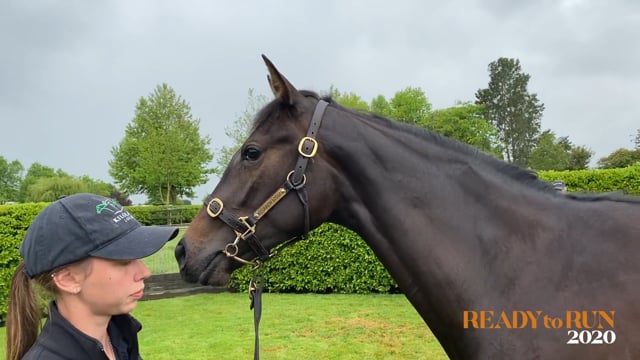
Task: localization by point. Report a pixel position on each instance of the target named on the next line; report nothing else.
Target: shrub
(333, 259)
(14, 221)
(163, 215)
(598, 180)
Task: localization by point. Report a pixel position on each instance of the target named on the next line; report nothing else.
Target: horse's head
(270, 193)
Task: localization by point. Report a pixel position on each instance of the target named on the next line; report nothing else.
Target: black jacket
(59, 340)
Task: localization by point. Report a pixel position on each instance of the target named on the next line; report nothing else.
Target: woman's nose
(143, 271)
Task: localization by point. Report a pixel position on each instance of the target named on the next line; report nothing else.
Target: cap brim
(139, 243)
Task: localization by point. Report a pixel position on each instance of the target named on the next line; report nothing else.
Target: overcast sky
(71, 72)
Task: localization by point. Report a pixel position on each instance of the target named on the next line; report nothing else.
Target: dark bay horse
(498, 264)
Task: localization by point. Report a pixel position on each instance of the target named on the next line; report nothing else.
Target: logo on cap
(107, 204)
(113, 207)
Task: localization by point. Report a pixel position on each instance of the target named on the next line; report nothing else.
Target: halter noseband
(245, 226)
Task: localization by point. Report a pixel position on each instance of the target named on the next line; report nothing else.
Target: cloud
(73, 71)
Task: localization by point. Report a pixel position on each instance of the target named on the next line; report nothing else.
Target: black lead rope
(255, 294)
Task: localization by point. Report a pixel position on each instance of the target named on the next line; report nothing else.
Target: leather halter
(245, 226)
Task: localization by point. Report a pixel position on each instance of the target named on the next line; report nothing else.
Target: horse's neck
(428, 214)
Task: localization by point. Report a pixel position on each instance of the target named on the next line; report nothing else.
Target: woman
(84, 249)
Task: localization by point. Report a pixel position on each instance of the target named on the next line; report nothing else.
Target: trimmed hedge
(332, 259)
(14, 221)
(598, 180)
(164, 215)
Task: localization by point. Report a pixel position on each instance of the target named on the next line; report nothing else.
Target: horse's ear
(280, 86)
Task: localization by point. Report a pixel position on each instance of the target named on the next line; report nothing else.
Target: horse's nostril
(180, 254)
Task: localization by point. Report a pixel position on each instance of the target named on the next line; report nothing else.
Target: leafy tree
(350, 100)
(239, 131)
(106, 189)
(465, 122)
(579, 157)
(162, 153)
(43, 183)
(97, 186)
(10, 179)
(510, 107)
(619, 158)
(410, 106)
(380, 106)
(552, 153)
(35, 172)
(48, 189)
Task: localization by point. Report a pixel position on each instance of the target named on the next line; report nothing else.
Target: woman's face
(112, 287)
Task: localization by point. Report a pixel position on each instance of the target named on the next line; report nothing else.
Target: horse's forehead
(273, 123)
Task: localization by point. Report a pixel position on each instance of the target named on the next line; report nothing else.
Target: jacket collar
(61, 337)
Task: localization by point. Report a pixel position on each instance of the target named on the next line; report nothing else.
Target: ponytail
(24, 313)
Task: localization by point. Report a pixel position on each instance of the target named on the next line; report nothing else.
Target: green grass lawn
(294, 326)
(164, 261)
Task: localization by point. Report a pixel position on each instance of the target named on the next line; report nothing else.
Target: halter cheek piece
(245, 226)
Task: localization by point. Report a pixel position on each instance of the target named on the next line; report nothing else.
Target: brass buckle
(210, 212)
(250, 229)
(301, 145)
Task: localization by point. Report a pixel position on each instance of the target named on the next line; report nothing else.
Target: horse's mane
(513, 171)
(517, 173)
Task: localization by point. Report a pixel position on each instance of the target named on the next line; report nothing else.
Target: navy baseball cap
(82, 225)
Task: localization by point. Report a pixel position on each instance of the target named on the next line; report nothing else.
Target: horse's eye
(251, 153)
